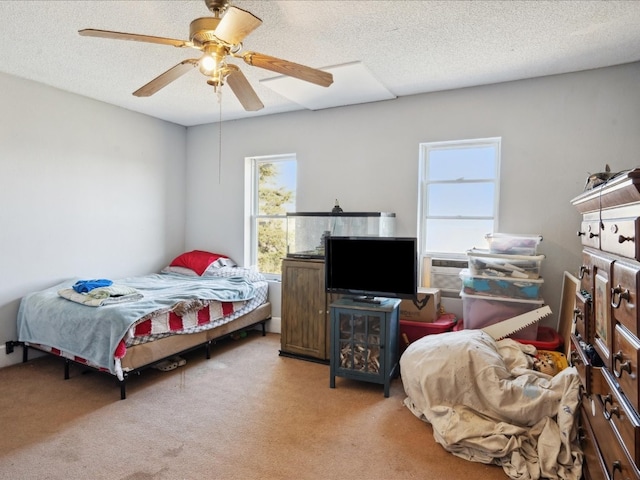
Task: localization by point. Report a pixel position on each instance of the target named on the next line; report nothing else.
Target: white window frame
(252, 217)
(425, 150)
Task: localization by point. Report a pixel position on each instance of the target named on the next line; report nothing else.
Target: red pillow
(197, 260)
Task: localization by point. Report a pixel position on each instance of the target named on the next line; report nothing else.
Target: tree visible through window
(274, 195)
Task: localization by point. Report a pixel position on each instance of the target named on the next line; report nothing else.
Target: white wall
(92, 190)
(555, 131)
(86, 189)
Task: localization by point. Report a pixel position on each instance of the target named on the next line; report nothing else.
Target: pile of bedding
(487, 404)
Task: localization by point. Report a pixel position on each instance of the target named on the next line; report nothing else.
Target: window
(459, 187)
(272, 188)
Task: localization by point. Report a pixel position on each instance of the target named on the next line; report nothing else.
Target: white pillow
(250, 273)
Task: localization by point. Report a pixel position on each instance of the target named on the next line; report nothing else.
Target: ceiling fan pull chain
(219, 135)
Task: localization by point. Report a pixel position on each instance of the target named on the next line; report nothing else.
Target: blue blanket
(94, 333)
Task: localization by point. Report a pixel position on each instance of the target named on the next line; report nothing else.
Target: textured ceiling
(409, 46)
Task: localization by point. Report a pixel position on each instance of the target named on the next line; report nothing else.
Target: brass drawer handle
(622, 239)
(577, 314)
(582, 434)
(623, 367)
(583, 270)
(591, 235)
(607, 413)
(622, 294)
(574, 358)
(617, 465)
(582, 392)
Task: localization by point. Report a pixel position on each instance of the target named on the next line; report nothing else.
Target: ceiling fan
(219, 37)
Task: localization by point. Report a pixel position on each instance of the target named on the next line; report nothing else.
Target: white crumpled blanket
(487, 405)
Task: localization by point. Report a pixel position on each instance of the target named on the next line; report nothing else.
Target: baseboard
(7, 359)
(304, 357)
(273, 325)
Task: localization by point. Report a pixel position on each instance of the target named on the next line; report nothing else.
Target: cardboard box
(424, 309)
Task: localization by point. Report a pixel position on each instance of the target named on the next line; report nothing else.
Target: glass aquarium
(306, 231)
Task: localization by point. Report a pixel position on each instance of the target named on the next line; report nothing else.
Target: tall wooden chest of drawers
(606, 325)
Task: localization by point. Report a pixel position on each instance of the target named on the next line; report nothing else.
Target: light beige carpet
(246, 413)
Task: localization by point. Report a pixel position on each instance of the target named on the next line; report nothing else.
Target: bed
(123, 326)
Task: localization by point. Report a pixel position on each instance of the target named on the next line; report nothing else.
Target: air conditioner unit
(443, 273)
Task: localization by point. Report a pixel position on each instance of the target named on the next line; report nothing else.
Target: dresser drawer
(590, 232)
(593, 467)
(618, 465)
(624, 293)
(601, 266)
(581, 317)
(619, 236)
(579, 360)
(622, 416)
(594, 262)
(585, 275)
(625, 363)
(590, 376)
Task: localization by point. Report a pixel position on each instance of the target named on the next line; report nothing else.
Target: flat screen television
(371, 267)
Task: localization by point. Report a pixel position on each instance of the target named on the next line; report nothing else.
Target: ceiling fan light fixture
(216, 81)
(219, 37)
(207, 64)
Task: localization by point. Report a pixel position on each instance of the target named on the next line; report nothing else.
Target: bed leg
(207, 349)
(67, 362)
(264, 328)
(123, 388)
(25, 353)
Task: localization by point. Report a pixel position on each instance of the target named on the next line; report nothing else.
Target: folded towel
(84, 286)
(100, 300)
(112, 291)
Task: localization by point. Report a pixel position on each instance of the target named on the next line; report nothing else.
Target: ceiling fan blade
(235, 25)
(308, 74)
(166, 78)
(243, 90)
(91, 32)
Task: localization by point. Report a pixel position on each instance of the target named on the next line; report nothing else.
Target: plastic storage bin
(481, 311)
(483, 262)
(412, 331)
(547, 339)
(513, 244)
(500, 286)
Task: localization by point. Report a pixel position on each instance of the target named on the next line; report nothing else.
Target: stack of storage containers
(503, 282)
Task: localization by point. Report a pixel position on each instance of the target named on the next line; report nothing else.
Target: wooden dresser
(606, 324)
